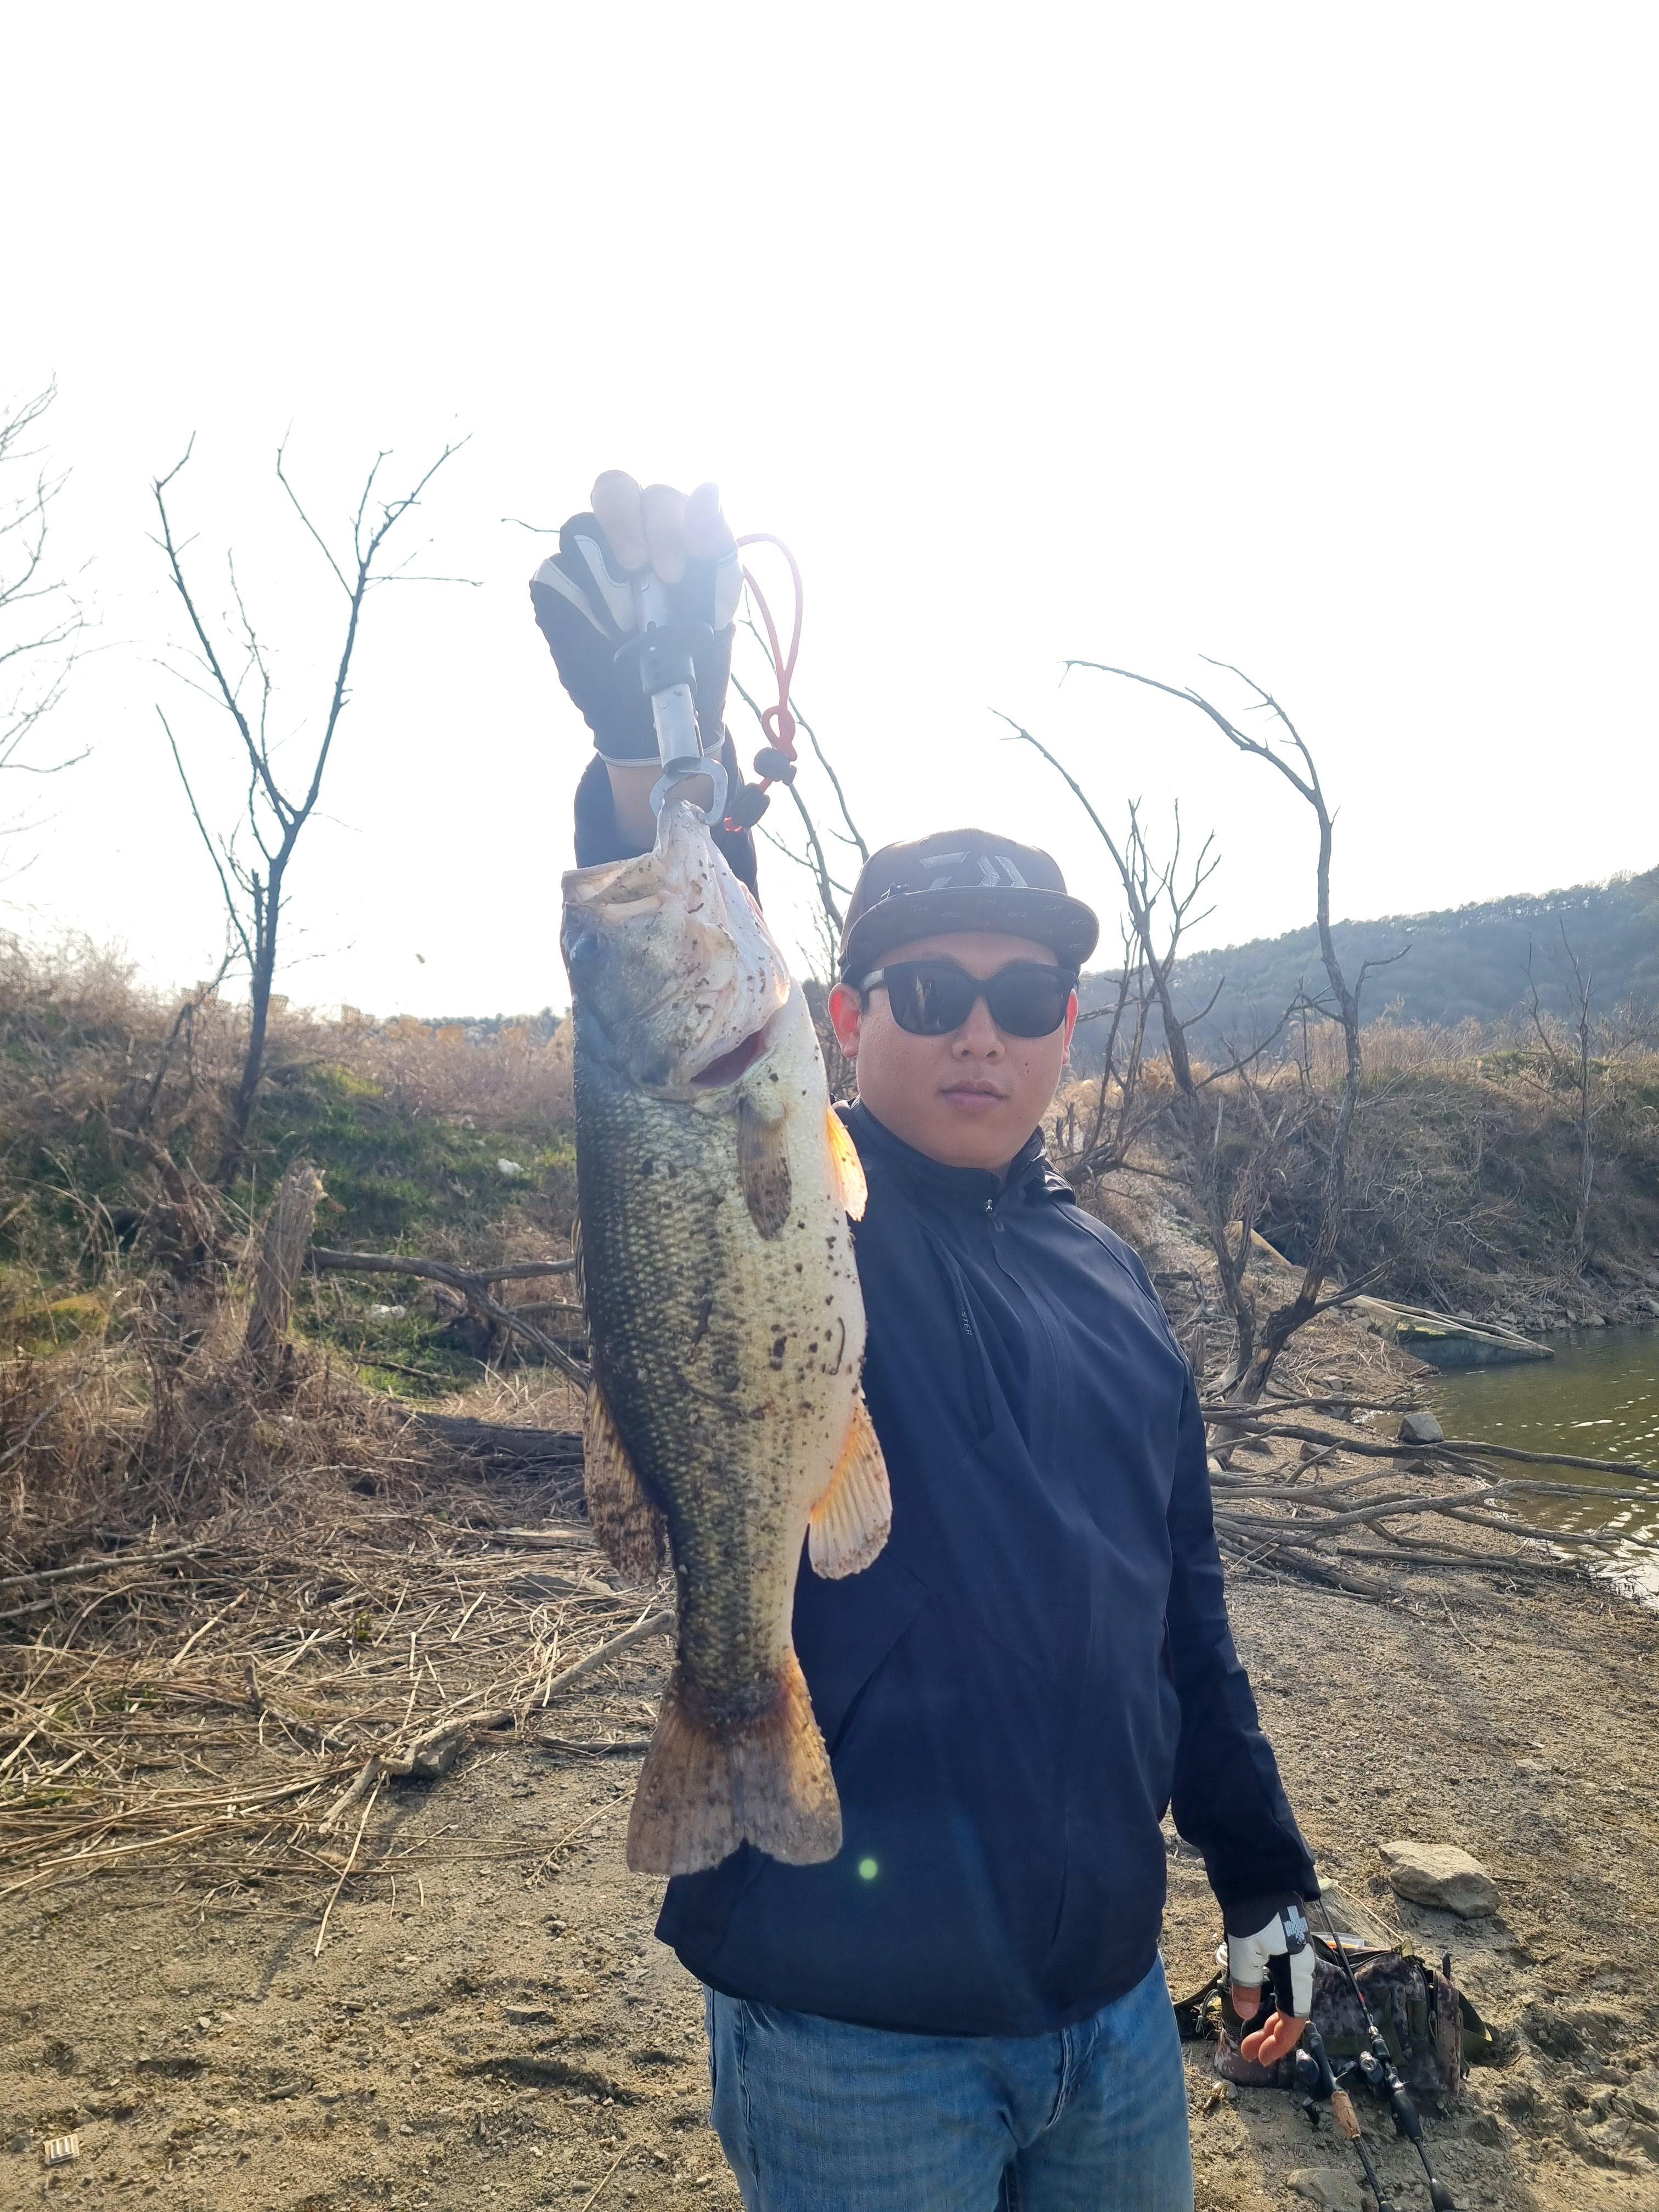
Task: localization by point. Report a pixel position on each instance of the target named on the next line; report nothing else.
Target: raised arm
(583, 598)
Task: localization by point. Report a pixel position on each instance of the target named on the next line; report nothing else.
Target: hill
(1462, 964)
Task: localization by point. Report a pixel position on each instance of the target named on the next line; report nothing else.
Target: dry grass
(512, 1077)
(213, 1696)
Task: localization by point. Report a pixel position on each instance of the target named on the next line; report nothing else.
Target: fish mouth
(725, 1070)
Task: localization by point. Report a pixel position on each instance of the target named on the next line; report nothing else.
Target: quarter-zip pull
(992, 1215)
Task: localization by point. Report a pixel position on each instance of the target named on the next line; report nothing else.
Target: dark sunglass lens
(928, 999)
(1029, 1001)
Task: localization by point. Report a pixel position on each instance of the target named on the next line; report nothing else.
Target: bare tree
(1582, 1051)
(1232, 1180)
(1228, 1168)
(1091, 1141)
(235, 676)
(41, 620)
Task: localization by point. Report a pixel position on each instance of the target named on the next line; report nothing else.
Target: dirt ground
(491, 2021)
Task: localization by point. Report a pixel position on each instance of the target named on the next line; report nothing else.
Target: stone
(1421, 1429)
(1331, 2187)
(1440, 1875)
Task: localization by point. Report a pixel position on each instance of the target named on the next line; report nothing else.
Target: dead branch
(41, 620)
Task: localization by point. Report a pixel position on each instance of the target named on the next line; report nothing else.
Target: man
(966, 2007)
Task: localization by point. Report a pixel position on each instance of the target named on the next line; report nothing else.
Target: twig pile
(226, 1700)
(1310, 1516)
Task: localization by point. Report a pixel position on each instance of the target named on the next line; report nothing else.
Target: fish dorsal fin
(763, 1169)
(850, 1522)
(849, 1168)
(627, 1527)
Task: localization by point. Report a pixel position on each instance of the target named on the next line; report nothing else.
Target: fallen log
(474, 1284)
(1368, 1448)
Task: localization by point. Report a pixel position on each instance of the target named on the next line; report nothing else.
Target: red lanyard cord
(778, 721)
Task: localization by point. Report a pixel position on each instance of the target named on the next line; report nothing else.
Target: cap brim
(1069, 929)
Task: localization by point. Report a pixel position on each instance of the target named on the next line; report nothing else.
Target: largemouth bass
(725, 1417)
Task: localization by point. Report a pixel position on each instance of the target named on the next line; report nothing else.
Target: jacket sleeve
(1228, 1799)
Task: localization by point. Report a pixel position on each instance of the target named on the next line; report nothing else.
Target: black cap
(961, 879)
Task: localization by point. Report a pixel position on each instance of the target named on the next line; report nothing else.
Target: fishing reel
(1319, 2084)
(1376, 2068)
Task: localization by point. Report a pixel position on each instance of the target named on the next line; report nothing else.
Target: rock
(1421, 1429)
(1441, 1875)
(1643, 2091)
(1331, 2186)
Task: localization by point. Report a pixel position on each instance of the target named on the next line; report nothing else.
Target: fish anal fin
(850, 1522)
(849, 1168)
(627, 1527)
(708, 1786)
(763, 1168)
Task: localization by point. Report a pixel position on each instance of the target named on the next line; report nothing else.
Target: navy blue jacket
(1038, 1663)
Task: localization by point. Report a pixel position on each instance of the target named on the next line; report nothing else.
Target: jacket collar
(1028, 1173)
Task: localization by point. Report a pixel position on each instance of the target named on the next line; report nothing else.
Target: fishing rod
(1378, 2071)
(1319, 2084)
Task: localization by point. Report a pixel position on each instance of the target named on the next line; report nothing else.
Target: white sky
(1320, 339)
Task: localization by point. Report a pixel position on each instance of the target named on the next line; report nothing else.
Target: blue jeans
(816, 2116)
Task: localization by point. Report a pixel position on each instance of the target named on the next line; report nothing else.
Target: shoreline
(491, 1980)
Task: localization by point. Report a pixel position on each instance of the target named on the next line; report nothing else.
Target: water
(1598, 1398)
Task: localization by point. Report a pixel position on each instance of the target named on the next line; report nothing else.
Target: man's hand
(583, 596)
(662, 528)
(1267, 1944)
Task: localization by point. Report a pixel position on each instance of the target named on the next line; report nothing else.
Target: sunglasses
(932, 998)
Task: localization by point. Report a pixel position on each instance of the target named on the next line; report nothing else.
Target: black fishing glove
(584, 604)
(1267, 1943)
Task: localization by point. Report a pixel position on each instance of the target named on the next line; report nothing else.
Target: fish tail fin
(705, 1790)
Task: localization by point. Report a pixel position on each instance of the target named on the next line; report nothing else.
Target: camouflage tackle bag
(1433, 2033)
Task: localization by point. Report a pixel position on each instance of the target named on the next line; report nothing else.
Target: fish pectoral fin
(763, 1168)
(849, 1523)
(849, 1168)
(627, 1527)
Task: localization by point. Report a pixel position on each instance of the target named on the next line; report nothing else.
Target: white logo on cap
(996, 872)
